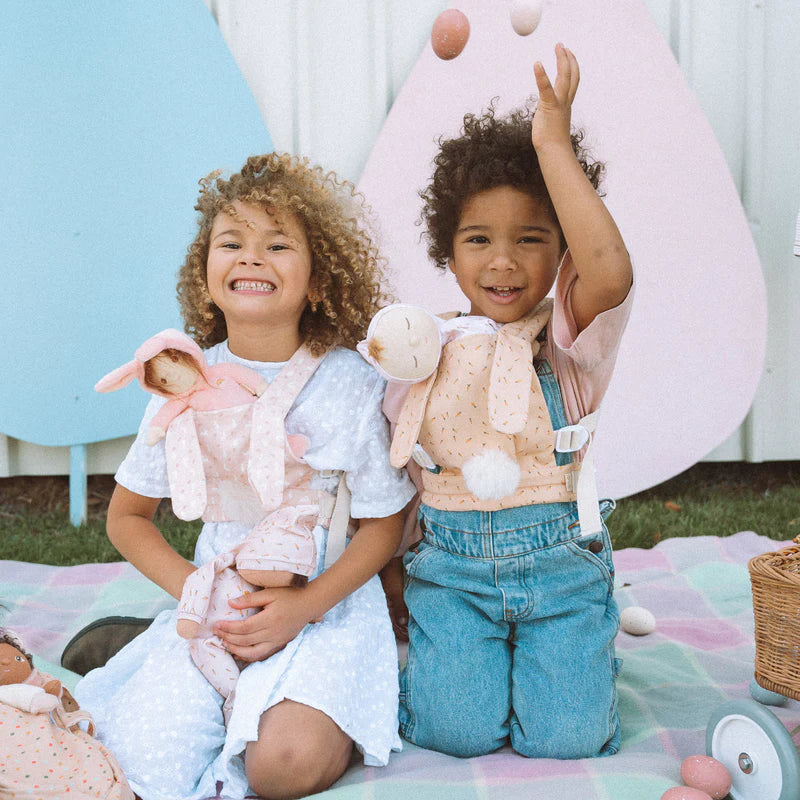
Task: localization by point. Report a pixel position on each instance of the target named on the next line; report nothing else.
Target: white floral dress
(154, 708)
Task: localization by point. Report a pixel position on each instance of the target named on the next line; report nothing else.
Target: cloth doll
(404, 343)
(43, 751)
(212, 416)
(170, 364)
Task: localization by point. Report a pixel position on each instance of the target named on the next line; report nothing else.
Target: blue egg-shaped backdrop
(112, 112)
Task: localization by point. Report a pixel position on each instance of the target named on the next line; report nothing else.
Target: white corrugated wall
(325, 73)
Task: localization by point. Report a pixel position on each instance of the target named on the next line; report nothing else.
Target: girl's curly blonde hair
(345, 269)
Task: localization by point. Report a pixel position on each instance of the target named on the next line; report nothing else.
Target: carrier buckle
(571, 438)
(423, 459)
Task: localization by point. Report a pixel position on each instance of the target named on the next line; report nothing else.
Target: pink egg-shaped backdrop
(692, 355)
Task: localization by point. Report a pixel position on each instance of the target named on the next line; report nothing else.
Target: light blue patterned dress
(153, 707)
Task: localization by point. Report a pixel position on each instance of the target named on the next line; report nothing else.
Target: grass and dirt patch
(710, 499)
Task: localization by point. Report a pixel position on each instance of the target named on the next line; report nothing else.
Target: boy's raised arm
(596, 246)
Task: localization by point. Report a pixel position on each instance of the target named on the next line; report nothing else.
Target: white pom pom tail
(491, 475)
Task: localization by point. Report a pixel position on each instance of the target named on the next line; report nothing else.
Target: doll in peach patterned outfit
(40, 741)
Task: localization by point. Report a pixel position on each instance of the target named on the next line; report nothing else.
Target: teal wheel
(756, 749)
(765, 696)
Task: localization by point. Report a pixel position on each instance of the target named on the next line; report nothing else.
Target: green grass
(710, 499)
(48, 538)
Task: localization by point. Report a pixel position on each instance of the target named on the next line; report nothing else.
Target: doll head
(15, 664)
(344, 289)
(171, 372)
(491, 152)
(169, 356)
(403, 343)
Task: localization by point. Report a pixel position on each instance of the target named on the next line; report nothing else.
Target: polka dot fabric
(154, 708)
(40, 760)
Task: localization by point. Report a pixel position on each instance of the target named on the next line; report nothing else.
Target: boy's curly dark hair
(345, 268)
(491, 151)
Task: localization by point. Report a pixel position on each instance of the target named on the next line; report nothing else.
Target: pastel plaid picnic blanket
(672, 680)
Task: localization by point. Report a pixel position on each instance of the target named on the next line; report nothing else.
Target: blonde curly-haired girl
(282, 265)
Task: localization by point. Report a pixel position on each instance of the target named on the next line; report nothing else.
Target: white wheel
(756, 749)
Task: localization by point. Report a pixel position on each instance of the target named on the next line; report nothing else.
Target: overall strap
(265, 465)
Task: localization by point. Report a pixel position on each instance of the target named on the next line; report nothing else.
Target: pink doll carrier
(44, 755)
(481, 412)
(228, 464)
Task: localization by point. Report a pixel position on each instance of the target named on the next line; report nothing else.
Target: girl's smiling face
(258, 270)
(506, 252)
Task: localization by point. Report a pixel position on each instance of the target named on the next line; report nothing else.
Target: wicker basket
(775, 578)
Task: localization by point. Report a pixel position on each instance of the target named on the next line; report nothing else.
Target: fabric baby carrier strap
(187, 478)
(265, 466)
(512, 369)
(334, 514)
(569, 440)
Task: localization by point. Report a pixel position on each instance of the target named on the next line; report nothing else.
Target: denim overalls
(511, 629)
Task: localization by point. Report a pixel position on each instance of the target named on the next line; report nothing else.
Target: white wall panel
(325, 73)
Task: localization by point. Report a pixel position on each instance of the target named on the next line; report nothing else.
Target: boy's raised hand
(551, 122)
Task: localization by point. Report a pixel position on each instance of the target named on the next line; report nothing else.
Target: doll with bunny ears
(280, 549)
(171, 364)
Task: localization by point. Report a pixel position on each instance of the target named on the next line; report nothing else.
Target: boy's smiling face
(506, 252)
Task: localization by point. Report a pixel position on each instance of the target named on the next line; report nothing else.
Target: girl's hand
(283, 615)
(392, 580)
(551, 122)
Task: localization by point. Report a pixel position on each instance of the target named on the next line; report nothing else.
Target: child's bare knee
(293, 769)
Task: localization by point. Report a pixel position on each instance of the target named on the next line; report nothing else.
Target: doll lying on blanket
(212, 415)
(40, 741)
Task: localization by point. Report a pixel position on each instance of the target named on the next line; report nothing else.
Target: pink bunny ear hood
(169, 338)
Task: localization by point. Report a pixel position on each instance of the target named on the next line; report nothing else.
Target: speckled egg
(706, 774)
(684, 793)
(525, 16)
(449, 33)
(637, 621)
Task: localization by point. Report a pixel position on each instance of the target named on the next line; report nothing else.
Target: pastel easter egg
(525, 16)
(706, 774)
(449, 34)
(637, 621)
(685, 793)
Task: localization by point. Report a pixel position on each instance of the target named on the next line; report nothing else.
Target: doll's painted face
(406, 342)
(14, 667)
(170, 373)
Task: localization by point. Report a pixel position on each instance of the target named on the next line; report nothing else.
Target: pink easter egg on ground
(525, 16)
(449, 34)
(684, 793)
(707, 774)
